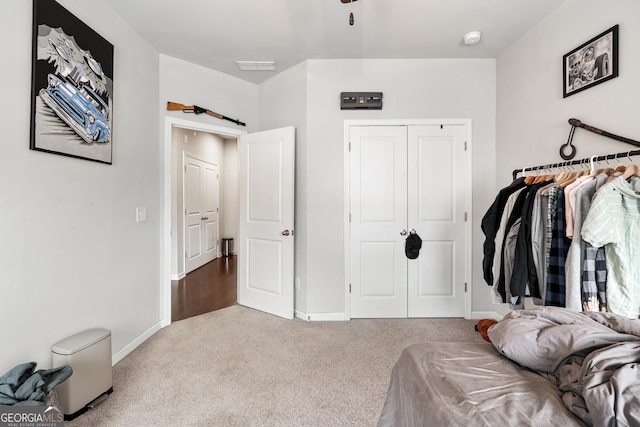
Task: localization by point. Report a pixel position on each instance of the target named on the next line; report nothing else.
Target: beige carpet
(241, 367)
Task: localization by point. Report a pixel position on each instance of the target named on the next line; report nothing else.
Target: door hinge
(349, 217)
(465, 217)
(185, 212)
(186, 255)
(349, 287)
(465, 146)
(465, 286)
(185, 168)
(349, 146)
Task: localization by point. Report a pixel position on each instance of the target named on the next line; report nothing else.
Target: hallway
(208, 288)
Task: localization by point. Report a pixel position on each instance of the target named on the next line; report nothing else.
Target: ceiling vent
(256, 65)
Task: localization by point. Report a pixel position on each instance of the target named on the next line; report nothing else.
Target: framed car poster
(591, 63)
(72, 86)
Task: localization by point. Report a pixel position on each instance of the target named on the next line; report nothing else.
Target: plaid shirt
(556, 280)
(551, 217)
(594, 279)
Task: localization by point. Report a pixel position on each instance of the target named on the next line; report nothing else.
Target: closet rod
(576, 162)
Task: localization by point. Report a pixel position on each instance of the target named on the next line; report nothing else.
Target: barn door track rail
(577, 123)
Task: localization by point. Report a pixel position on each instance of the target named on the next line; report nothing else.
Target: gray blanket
(593, 357)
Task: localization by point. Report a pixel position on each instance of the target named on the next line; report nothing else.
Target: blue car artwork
(79, 107)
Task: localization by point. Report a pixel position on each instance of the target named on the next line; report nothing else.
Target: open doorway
(211, 287)
(216, 146)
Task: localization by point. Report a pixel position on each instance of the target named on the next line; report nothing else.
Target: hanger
(631, 170)
(568, 178)
(529, 179)
(542, 178)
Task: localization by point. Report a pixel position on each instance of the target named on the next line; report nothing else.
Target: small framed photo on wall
(591, 63)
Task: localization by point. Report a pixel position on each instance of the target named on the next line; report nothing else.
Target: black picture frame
(71, 86)
(591, 63)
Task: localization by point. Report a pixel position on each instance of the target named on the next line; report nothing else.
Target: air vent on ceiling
(256, 65)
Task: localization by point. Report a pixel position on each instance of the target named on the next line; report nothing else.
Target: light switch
(141, 214)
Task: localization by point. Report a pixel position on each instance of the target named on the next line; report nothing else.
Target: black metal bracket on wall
(577, 123)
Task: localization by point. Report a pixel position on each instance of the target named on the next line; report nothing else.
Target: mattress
(470, 384)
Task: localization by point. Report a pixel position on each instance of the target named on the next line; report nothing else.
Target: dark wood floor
(210, 287)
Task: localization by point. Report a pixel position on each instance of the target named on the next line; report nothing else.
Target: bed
(544, 367)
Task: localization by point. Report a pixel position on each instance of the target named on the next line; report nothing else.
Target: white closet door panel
(378, 210)
(379, 188)
(437, 203)
(194, 242)
(193, 213)
(210, 198)
(377, 277)
(265, 174)
(265, 273)
(436, 178)
(436, 270)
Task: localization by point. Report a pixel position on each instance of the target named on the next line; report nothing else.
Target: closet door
(201, 190)
(437, 179)
(378, 210)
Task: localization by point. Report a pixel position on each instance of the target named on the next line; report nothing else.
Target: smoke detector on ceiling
(472, 37)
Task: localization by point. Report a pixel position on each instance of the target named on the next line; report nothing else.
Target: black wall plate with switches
(361, 100)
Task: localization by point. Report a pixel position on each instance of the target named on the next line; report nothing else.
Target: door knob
(413, 231)
(403, 233)
(286, 233)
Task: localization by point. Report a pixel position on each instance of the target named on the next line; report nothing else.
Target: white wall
(230, 187)
(532, 115)
(72, 256)
(413, 89)
(283, 102)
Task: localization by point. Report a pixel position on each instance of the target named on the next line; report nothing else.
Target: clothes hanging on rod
(570, 239)
(586, 161)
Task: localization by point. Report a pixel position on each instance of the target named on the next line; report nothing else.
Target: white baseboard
(320, 317)
(486, 315)
(135, 343)
(334, 317)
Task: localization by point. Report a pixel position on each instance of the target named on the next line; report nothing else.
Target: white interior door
(201, 200)
(437, 173)
(266, 242)
(378, 210)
